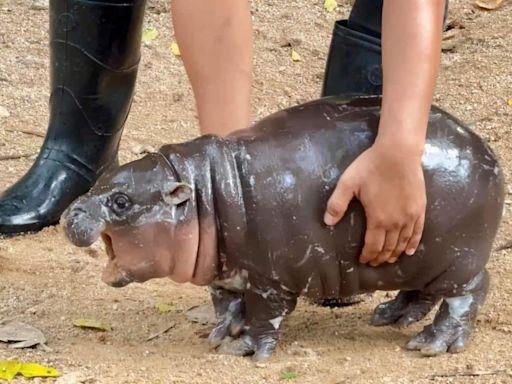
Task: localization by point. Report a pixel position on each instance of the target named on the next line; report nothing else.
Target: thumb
(338, 202)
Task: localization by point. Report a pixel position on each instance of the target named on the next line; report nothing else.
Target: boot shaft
(94, 55)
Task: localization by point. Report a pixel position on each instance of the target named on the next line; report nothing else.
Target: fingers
(389, 247)
(403, 239)
(338, 202)
(386, 246)
(416, 236)
(373, 243)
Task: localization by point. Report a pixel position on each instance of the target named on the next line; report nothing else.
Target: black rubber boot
(94, 55)
(354, 62)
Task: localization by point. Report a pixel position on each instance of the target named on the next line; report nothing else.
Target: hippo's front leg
(230, 313)
(265, 308)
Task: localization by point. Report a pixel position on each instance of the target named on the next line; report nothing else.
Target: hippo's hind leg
(406, 308)
(454, 321)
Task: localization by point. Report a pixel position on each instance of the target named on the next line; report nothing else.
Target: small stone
(32, 310)
(260, 365)
(4, 112)
(40, 5)
(177, 97)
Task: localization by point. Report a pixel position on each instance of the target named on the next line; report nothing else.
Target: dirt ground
(46, 282)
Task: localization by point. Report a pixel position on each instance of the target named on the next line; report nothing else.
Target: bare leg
(215, 39)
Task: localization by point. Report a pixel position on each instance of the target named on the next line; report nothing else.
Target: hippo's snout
(82, 222)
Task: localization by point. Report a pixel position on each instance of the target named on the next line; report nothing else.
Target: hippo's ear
(176, 193)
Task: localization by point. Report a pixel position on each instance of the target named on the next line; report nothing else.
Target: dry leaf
(93, 324)
(9, 369)
(509, 101)
(175, 49)
(163, 308)
(295, 56)
(36, 370)
(330, 5)
(488, 4)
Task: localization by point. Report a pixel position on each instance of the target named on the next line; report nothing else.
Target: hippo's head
(140, 212)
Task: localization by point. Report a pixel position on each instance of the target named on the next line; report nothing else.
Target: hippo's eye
(120, 202)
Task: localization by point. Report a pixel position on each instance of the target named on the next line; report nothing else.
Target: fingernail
(410, 251)
(328, 219)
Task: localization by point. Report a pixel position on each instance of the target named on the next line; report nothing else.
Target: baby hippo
(243, 215)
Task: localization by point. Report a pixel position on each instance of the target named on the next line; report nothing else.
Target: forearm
(215, 39)
(411, 49)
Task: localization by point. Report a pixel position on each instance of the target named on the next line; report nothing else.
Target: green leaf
(94, 324)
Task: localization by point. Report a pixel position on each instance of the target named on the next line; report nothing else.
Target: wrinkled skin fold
(242, 215)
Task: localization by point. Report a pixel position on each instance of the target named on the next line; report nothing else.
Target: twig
(506, 245)
(160, 333)
(26, 132)
(15, 157)
(469, 374)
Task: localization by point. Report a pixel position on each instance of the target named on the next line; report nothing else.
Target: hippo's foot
(406, 308)
(454, 321)
(265, 308)
(230, 312)
(260, 347)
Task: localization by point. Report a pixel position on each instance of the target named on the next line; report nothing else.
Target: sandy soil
(48, 283)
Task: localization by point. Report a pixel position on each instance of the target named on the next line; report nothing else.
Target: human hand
(391, 188)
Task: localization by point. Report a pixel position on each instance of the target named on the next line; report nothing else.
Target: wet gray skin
(244, 215)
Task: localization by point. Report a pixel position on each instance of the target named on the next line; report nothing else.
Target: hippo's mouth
(112, 274)
(107, 240)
